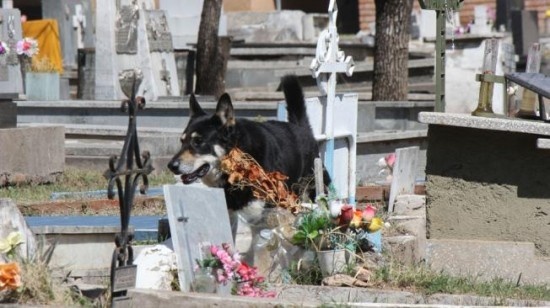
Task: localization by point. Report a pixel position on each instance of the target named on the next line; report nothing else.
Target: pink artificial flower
(213, 250)
(369, 212)
(390, 160)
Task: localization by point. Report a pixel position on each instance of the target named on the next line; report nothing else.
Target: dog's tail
(295, 102)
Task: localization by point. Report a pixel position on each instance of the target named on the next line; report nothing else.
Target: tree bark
(212, 52)
(391, 50)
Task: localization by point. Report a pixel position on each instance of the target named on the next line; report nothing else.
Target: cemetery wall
(487, 185)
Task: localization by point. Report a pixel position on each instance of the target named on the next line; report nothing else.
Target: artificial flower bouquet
(27, 47)
(10, 272)
(227, 267)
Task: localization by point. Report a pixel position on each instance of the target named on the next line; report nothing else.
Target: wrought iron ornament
(133, 168)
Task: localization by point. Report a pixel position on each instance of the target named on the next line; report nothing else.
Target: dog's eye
(196, 141)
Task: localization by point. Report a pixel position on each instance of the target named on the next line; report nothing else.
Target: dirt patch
(94, 207)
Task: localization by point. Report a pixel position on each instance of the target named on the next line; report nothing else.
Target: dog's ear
(224, 110)
(195, 109)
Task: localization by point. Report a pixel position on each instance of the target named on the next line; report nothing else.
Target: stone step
(83, 147)
(512, 261)
(171, 114)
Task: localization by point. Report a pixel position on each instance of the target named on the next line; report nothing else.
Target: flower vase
(204, 281)
(332, 261)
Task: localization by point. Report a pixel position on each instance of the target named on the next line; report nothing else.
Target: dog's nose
(174, 166)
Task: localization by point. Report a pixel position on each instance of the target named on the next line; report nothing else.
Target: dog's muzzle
(191, 177)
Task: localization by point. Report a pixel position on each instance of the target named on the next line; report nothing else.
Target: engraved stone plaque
(125, 278)
(11, 57)
(126, 29)
(158, 34)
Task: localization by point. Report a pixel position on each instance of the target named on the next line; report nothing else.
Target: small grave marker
(404, 170)
(329, 60)
(198, 217)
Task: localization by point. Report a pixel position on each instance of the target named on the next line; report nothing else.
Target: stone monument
(130, 34)
(27, 154)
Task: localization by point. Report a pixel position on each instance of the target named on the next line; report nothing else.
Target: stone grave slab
(31, 154)
(106, 68)
(198, 217)
(10, 71)
(134, 37)
(13, 221)
(75, 24)
(404, 172)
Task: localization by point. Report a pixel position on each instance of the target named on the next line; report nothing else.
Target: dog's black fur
(289, 148)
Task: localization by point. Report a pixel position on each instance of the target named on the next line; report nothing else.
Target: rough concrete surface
(512, 261)
(481, 190)
(34, 154)
(315, 296)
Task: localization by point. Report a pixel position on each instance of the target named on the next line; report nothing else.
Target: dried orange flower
(10, 277)
(270, 187)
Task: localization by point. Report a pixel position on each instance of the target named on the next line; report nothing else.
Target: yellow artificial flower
(375, 224)
(10, 242)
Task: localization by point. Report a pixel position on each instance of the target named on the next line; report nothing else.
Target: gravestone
(404, 171)
(481, 18)
(74, 20)
(129, 35)
(525, 30)
(13, 221)
(20, 161)
(333, 118)
(198, 218)
(184, 18)
(11, 81)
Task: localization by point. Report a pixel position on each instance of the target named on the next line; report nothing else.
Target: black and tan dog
(287, 147)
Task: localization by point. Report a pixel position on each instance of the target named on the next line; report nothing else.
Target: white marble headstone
(198, 217)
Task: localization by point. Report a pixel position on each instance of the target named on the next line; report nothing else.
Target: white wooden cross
(79, 24)
(329, 60)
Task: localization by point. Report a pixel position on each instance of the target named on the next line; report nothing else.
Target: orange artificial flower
(10, 276)
(357, 219)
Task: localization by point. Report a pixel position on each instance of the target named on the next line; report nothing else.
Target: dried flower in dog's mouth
(244, 171)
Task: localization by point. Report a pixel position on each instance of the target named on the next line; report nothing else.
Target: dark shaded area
(348, 12)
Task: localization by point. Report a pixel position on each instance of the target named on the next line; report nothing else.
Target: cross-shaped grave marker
(329, 60)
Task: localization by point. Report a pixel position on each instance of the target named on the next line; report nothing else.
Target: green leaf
(313, 234)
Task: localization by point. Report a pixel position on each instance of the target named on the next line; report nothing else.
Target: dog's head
(205, 140)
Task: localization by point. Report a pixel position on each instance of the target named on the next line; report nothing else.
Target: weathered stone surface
(154, 268)
(80, 250)
(314, 296)
(486, 180)
(31, 154)
(280, 26)
(8, 114)
(12, 221)
(486, 260)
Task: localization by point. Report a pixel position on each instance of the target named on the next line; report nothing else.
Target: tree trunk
(391, 50)
(212, 52)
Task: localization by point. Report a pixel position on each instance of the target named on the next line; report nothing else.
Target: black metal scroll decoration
(122, 268)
